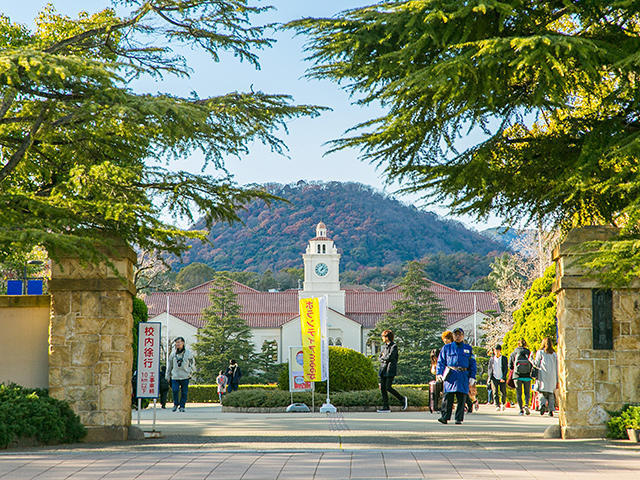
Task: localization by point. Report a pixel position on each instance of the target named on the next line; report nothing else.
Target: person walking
(181, 367)
(233, 374)
(447, 338)
(221, 380)
(520, 363)
(457, 367)
(164, 386)
(546, 361)
(435, 386)
(388, 370)
(497, 373)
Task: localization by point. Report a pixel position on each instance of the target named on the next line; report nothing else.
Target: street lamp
(24, 280)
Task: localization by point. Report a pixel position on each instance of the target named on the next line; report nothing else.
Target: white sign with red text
(149, 336)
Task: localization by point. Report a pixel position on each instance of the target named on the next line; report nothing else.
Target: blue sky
(283, 68)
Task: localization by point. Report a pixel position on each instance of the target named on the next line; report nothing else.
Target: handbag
(534, 372)
(510, 382)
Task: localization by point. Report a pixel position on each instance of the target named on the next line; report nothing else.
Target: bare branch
(18, 155)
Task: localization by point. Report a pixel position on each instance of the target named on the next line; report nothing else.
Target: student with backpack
(521, 365)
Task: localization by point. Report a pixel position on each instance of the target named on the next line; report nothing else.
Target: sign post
(148, 381)
(315, 347)
(297, 383)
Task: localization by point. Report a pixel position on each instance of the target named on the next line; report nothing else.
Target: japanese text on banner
(148, 360)
(311, 338)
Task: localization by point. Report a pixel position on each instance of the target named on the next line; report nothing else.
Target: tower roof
(321, 225)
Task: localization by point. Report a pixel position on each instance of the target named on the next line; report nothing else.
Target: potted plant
(625, 423)
(632, 422)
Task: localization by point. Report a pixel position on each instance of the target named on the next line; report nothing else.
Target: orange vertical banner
(311, 338)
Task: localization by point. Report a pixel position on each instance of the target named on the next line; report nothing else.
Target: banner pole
(139, 408)
(153, 429)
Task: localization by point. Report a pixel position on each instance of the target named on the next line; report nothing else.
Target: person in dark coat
(233, 373)
(164, 386)
(497, 373)
(457, 367)
(388, 370)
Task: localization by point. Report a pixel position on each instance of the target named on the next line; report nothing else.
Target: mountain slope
(369, 228)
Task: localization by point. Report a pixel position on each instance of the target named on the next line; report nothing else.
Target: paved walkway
(204, 443)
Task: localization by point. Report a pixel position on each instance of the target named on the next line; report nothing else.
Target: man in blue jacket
(457, 367)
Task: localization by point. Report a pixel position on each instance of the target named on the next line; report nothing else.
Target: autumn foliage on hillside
(370, 230)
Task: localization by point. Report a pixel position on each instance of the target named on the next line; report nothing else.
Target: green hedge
(209, 393)
(349, 371)
(32, 413)
(279, 398)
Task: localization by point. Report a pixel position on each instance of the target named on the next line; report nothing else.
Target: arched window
(318, 248)
(324, 248)
(330, 341)
(338, 342)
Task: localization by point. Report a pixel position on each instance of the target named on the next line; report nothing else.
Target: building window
(324, 248)
(318, 248)
(330, 342)
(338, 342)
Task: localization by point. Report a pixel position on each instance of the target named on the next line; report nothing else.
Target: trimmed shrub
(32, 413)
(348, 371)
(277, 398)
(209, 393)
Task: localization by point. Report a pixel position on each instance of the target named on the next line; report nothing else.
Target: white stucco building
(353, 311)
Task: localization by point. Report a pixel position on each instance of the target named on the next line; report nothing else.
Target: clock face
(322, 269)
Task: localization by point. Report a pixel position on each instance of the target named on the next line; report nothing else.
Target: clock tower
(322, 270)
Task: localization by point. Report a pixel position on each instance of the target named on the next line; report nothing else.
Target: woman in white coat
(546, 362)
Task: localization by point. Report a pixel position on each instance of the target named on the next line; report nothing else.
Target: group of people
(181, 366)
(228, 380)
(522, 368)
(455, 369)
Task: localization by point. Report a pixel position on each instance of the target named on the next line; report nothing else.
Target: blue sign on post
(34, 287)
(14, 287)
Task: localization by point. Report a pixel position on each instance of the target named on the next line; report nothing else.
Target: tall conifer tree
(417, 320)
(225, 336)
(551, 88)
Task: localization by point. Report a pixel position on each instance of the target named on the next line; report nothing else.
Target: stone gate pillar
(598, 341)
(90, 351)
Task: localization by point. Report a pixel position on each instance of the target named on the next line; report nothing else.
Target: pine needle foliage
(552, 85)
(83, 157)
(225, 336)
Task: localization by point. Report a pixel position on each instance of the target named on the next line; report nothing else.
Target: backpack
(522, 364)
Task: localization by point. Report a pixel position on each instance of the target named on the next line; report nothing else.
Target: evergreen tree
(417, 320)
(536, 318)
(193, 275)
(551, 88)
(225, 336)
(82, 154)
(268, 361)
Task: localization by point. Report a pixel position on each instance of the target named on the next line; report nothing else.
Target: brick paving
(205, 444)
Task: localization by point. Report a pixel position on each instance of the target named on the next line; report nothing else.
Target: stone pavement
(204, 443)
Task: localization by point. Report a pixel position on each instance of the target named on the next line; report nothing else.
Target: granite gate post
(90, 337)
(598, 341)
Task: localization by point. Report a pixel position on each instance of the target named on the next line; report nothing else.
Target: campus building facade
(353, 310)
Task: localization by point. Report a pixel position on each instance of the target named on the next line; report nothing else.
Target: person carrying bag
(521, 367)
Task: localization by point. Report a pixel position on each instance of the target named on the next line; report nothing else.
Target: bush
(348, 371)
(32, 413)
(628, 417)
(267, 398)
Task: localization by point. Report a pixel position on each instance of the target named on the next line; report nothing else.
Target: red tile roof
(273, 309)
